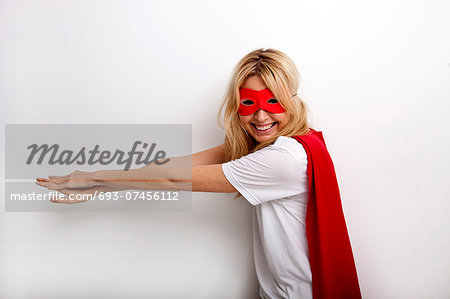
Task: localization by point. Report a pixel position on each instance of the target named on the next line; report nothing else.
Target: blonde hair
(281, 76)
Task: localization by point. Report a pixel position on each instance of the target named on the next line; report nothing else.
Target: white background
(375, 75)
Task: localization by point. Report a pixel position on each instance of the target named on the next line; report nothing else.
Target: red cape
(330, 253)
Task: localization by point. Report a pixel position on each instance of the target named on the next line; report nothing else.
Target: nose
(261, 116)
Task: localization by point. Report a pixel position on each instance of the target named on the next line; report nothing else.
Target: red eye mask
(253, 100)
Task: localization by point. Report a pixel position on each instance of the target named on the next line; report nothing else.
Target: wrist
(96, 177)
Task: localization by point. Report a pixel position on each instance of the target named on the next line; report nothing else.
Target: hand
(77, 179)
(78, 184)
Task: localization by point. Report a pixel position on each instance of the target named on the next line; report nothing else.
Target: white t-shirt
(275, 181)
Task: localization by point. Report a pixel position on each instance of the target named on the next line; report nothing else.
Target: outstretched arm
(205, 178)
(215, 155)
(203, 175)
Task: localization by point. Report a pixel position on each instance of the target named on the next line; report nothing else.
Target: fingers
(66, 200)
(59, 179)
(57, 176)
(58, 199)
(57, 184)
(66, 186)
(49, 185)
(55, 180)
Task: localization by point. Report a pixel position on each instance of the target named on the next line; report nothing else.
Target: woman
(276, 162)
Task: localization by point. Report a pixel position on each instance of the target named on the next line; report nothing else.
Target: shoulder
(290, 146)
(273, 172)
(282, 158)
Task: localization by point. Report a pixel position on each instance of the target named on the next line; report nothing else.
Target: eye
(247, 102)
(272, 101)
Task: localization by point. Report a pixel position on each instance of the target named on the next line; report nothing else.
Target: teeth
(262, 128)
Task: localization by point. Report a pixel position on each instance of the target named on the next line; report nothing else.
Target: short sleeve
(274, 172)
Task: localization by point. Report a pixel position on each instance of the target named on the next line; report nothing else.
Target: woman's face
(262, 125)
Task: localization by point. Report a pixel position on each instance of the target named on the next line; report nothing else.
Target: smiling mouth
(264, 128)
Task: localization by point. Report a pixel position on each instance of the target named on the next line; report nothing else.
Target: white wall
(375, 75)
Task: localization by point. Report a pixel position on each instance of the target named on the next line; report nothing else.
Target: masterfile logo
(94, 156)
